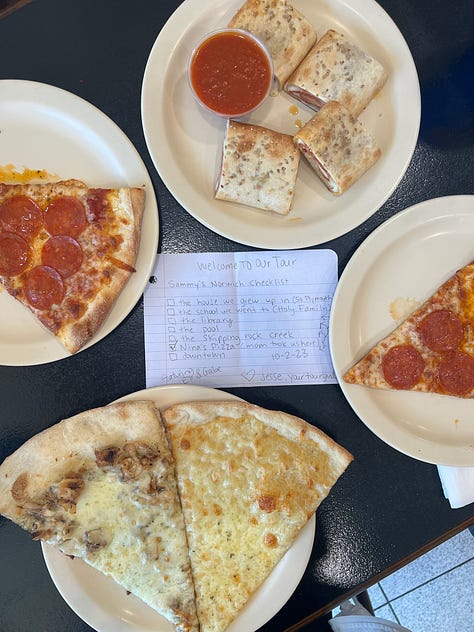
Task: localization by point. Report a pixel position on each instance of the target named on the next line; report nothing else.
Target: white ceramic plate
(44, 127)
(106, 607)
(185, 142)
(406, 258)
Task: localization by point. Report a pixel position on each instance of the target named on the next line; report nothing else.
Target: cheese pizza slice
(249, 480)
(67, 251)
(432, 351)
(101, 487)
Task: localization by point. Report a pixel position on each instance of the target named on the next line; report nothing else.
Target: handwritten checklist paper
(240, 319)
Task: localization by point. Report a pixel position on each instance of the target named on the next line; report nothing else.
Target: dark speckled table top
(387, 508)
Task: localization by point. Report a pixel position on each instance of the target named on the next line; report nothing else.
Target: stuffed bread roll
(337, 70)
(286, 33)
(258, 168)
(337, 147)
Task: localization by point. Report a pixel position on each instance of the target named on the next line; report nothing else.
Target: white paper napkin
(458, 484)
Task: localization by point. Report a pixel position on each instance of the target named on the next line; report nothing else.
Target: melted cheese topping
(140, 544)
(401, 308)
(237, 482)
(10, 174)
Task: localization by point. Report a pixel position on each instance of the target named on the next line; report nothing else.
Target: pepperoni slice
(63, 253)
(14, 254)
(456, 373)
(20, 214)
(402, 366)
(44, 287)
(65, 215)
(441, 330)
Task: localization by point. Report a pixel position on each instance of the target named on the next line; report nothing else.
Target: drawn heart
(249, 375)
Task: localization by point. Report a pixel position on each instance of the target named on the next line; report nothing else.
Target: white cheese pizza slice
(101, 486)
(249, 480)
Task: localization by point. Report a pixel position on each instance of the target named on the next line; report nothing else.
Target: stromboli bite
(337, 147)
(258, 168)
(336, 69)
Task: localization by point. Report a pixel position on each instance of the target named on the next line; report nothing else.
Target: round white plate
(106, 607)
(185, 142)
(47, 128)
(406, 258)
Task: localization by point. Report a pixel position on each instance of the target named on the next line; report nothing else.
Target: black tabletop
(387, 508)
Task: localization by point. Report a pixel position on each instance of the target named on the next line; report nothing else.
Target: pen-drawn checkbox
(173, 356)
(170, 311)
(172, 330)
(170, 302)
(171, 321)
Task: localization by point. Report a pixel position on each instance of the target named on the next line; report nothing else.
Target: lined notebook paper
(240, 319)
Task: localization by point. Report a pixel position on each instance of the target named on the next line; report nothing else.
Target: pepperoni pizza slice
(432, 351)
(67, 250)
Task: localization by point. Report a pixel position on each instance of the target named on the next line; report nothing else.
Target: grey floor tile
(441, 605)
(451, 553)
(377, 598)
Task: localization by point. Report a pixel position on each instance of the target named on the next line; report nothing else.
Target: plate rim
(176, 393)
(21, 89)
(165, 46)
(419, 449)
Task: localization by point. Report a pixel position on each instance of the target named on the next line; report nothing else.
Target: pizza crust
(193, 414)
(44, 191)
(70, 445)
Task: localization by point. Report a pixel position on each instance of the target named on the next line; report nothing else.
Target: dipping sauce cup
(230, 72)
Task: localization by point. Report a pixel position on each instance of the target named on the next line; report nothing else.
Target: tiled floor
(434, 593)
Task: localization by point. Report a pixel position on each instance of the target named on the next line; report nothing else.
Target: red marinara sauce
(231, 72)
